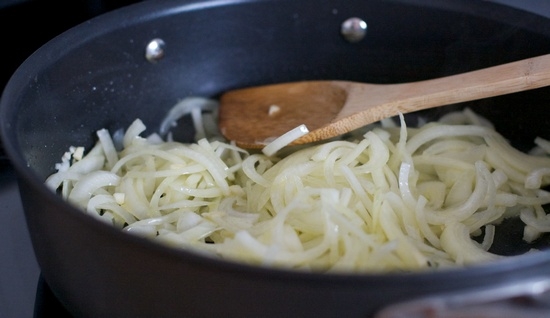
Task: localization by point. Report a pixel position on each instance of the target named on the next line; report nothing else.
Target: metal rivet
(155, 50)
(354, 29)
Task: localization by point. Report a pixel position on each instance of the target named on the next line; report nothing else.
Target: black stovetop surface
(23, 293)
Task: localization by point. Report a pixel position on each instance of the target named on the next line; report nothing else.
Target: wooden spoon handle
(407, 97)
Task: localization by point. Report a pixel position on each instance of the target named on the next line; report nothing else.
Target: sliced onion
(386, 199)
(284, 140)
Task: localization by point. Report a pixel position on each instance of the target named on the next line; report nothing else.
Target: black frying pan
(96, 76)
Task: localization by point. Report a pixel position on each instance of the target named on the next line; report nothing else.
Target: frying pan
(98, 75)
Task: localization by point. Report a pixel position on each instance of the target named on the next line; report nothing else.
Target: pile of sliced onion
(393, 199)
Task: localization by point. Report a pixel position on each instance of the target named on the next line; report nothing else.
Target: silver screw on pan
(155, 50)
(354, 29)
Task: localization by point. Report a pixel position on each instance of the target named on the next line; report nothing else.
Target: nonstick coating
(96, 76)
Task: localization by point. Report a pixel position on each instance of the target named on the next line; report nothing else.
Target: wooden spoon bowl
(253, 117)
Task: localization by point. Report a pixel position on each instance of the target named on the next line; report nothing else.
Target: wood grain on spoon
(252, 117)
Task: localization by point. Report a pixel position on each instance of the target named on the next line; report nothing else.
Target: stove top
(23, 292)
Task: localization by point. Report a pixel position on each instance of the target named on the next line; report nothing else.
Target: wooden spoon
(252, 117)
